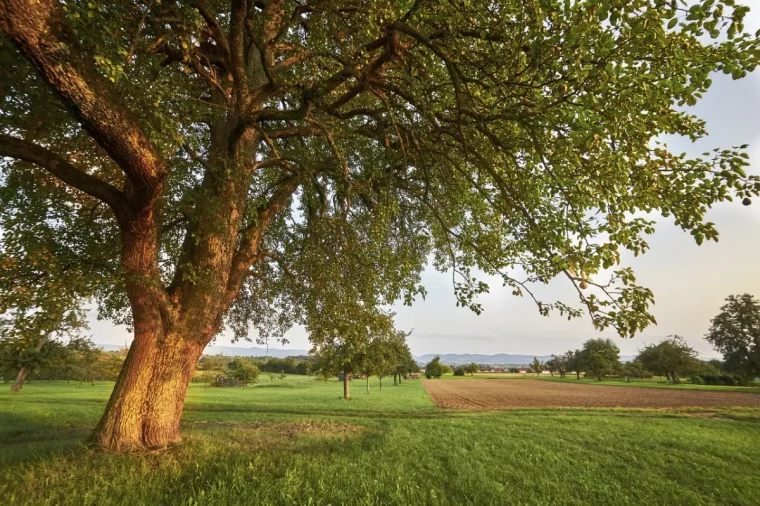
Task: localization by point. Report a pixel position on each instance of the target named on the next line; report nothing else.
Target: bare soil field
(502, 394)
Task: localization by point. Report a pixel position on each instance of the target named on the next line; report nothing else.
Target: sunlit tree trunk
(146, 404)
(23, 372)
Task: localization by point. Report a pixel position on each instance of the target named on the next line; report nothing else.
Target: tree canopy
(735, 332)
(600, 357)
(259, 163)
(671, 357)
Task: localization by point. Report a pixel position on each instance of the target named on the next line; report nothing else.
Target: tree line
(78, 360)
(735, 332)
(383, 355)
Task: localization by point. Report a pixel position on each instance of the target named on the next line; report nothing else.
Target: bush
(434, 368)
(246, 373)
(459, 371)
(696, 380)
(724, 380)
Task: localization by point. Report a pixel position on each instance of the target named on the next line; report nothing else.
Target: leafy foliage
(600, 357)
(246, 373)
(671, 357)
(517, 138)
(558, 364)
(434, 368)
(79, 360)
(735, 332)
(537, 366)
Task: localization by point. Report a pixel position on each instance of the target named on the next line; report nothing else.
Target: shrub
(246, 373)
(434, 368)
(459, 371)
(724, 380)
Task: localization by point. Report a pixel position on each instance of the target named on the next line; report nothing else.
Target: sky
(689, 282)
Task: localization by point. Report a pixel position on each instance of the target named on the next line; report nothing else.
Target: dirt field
(501, 394)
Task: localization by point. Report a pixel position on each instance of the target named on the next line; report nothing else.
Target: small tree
(472, 368)
(246, 373)
(434, 368)
(633, 369)
(735, 332)
(574, 361)
(600, 357)
(207, 378)
(536, 366)
(558, 364)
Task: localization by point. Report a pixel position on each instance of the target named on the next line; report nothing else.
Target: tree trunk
(368, 383)
(381, 384)
(395, 376)
(23, 372)
(146, 404)
(577, 375)
(599, 377)
(346, 388)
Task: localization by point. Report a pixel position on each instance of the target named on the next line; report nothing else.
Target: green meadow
(296, 441)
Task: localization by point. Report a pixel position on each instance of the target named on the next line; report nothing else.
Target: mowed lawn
(298, 442)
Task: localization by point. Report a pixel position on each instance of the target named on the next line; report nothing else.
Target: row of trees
(78, 360)
(735, 332)
(288, 365)
(382, 355)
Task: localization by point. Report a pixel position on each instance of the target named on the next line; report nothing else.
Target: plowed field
(520, 393)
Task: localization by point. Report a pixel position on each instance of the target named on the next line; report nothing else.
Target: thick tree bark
(368, 383)
(146, 404)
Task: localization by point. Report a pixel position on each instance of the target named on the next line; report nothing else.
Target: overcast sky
(689, 282)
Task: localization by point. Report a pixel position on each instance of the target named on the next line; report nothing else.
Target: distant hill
(233, 351)
(499, 358)
(466, 358)
(254, 351)
(446, 358)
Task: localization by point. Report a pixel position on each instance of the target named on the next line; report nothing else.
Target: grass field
(298, 443)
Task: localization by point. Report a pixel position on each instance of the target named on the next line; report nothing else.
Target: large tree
(671, 357)
(735, 332)
(259, 163)
(600, 357)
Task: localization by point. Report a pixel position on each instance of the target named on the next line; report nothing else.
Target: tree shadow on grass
(196, 411)
(23, 440)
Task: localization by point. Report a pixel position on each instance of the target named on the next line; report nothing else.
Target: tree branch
(39, 29)
(61, 168)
